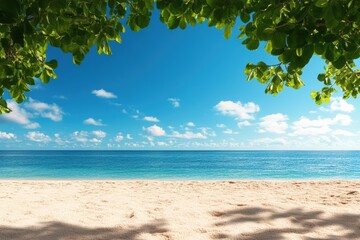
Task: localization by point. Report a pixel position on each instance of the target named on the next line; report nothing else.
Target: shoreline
(173, 180)
(157, 209)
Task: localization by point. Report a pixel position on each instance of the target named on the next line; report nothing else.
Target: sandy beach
(110, 210)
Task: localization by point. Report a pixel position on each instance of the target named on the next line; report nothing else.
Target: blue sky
(176, 89)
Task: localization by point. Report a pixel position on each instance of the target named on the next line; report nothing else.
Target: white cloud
(91, 121)
(151, 119)
(274, 123)
(51, 111)
(38, 137)
(230, 131)
(237, 109)
(243, 124)
(190, 124)
(18, 115)
(306, 126)
(340, 132)
(128, 136)
(324, 109)
(99, 133)
(103, 94)
(119, 137)
(80, 136)
(60, 141)
(149, 138)
(156, 131)
(32, 125)
(188, 135)
(207, 131)
(342, 119)
(84, 136)
(95, 140)
(268, 141)
(339, 104)
(175, 102)
(8, 136)
(162, 144)
(221, 125)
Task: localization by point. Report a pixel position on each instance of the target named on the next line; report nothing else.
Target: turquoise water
(195, 165)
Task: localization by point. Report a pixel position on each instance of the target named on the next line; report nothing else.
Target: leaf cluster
(292, 30)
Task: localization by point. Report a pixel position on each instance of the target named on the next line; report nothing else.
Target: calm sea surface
(209, 165)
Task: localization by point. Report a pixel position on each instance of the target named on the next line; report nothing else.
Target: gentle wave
(195, 165)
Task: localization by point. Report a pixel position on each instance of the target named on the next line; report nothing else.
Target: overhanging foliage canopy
(293, 30)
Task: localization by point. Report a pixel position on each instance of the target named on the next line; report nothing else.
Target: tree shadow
(303, 222)
(63, 231)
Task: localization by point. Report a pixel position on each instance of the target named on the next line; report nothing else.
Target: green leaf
(340, 62)
(173, 22)
(182, 23)
(211, 3)
(227, 31)
(268, 47)
(318, 99)
(142, 21)
(321, 3)
(249, 68)
(329, 52)
(44, 77)
(9, 11)
(52, 64)
(252, 44)
(278, 40)
(319, 48)
(299, 52)
(321, 77)
(297, 38)
(78, 57)
(17, 35)
(327, 81)
(149, 4)
(244, 16)
(313, 94)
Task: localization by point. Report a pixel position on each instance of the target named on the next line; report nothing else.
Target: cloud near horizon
(5, 135)
(38, 137)
(274, 123)
(237, 109)
(306, 126)
(156, 131)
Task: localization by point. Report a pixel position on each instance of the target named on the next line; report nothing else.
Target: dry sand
(109, 210)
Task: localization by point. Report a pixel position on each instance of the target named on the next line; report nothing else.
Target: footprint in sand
(131, 215)
(201, 230)
(216, 214)
(352, 193)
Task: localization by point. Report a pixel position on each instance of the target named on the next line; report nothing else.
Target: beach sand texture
(109, 210)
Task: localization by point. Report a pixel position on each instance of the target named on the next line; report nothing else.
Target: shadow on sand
(303, 224)
(63, 231)
(344, 226)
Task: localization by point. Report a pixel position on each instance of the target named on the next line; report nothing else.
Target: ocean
(180, 165)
